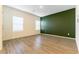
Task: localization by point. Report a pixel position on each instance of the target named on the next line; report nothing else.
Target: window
(17, 24)
(37, 24)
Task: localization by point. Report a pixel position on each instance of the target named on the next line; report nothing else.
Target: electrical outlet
(68, 34)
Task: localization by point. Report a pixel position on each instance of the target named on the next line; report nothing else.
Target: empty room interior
(37, 29)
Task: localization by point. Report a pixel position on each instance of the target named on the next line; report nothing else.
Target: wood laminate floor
(39, 44)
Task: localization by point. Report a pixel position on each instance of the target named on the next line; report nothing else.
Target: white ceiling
(44, 10)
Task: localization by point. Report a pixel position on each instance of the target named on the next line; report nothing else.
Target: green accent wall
(60, 23)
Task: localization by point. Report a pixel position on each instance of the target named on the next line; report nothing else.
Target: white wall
(77, 26)
(29, 23)
(1, 26)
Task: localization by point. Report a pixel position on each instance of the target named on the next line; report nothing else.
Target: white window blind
(17, 24)
(37, 24)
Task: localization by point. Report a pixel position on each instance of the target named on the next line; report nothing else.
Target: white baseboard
(19, 37)
(58, 36)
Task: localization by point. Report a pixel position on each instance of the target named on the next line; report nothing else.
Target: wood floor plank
(39, 44)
